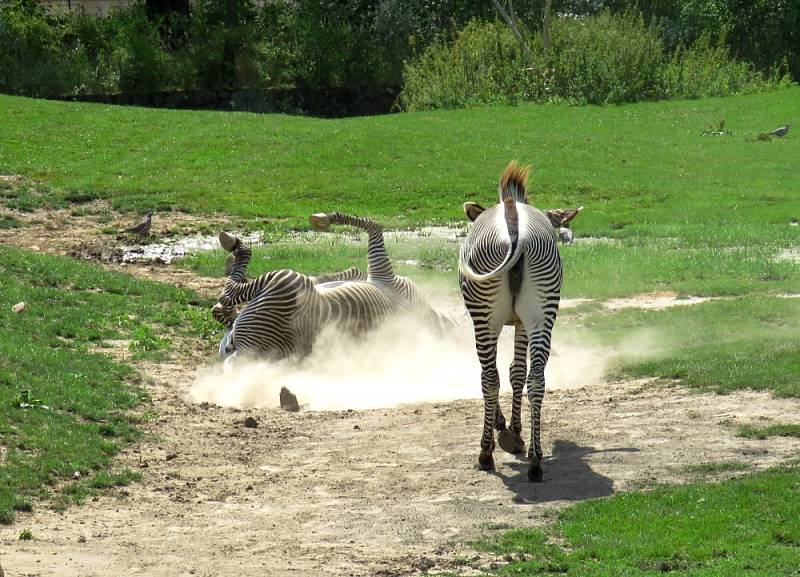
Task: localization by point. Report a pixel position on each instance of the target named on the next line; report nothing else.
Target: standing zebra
(510, 274)
(286, 310)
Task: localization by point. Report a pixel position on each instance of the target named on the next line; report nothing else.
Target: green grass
(745, 526)
(779, 430)
(641, 167)
(81, 402)
(9, 222)
(714, 468)
(739, 343)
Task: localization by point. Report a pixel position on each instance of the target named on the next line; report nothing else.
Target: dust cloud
(400, 362)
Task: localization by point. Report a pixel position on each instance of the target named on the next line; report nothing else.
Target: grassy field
(667, 209)
(639, 168)
(80, 403)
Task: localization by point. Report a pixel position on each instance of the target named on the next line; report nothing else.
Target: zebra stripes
(510, 274)
(286, 310)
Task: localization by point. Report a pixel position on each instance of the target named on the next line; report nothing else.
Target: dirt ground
(369, 492)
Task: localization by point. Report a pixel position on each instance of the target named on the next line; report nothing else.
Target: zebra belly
(226, 345)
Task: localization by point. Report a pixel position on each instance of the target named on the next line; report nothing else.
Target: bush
(603, 59)
(484, 64)
(37, 58)
(707, 70)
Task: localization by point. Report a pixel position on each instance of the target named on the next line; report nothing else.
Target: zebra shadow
(567, 476)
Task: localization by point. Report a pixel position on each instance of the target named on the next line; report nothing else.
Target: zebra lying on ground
(510, 274)
(286, 310)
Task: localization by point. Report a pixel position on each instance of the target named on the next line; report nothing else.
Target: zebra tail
(514, 182)
(512, 256)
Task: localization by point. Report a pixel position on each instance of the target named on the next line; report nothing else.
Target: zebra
(286, 310)
(510, 274)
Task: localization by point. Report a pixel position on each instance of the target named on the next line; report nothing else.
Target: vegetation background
(430, 53)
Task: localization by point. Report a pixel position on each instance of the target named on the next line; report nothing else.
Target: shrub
(706, 69)
(604, 59)
(484, 64)
(37, 57)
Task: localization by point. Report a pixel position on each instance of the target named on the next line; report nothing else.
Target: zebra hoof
(485, 462)
(507, 441)
(319, 221)
(227, 241)
(535, 473)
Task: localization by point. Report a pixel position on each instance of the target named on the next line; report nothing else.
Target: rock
(424, 564)
(289, 401)
(19, 307)
(81, 539)
(76, 475)
(171, 456)
(250, 422)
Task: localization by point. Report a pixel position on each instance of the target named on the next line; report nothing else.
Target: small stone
(171, 456)
(356, 427)
(250, 422)
(81, 539)
(425, 563)
(76, 475)
(19, 307)
(289, 401)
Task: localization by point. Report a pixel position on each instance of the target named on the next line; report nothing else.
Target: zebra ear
(562, 216)
(473, 210)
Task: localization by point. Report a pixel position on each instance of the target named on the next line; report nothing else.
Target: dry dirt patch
(57, 231)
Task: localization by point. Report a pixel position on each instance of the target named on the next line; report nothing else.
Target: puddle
(165, 253)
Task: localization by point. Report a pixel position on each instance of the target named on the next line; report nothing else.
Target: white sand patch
(654, 301)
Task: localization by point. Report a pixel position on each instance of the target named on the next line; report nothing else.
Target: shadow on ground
(567, 476)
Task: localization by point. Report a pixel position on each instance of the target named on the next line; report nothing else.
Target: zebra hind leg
(539, 346)
(499, 419)
(486, 341)
(511, 441)
(379, 265)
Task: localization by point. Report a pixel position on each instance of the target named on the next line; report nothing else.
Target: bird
(565, 234)
(782, 131)
(142, 228)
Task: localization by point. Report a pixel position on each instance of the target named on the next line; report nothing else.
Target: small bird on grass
(780, 132)
(142, 228)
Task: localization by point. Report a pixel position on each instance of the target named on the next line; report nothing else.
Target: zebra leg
(539, 347)
(499, 420)
(379, 266)
(486, 341)
(513, 442)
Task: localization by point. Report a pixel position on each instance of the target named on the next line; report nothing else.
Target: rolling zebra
(510, 274)
(286, 310)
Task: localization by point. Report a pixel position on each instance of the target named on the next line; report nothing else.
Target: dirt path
(370, 492)
(377, 492)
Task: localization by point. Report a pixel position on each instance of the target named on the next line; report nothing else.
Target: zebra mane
(513, 182)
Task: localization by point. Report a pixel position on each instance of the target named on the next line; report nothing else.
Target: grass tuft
(781, 430)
